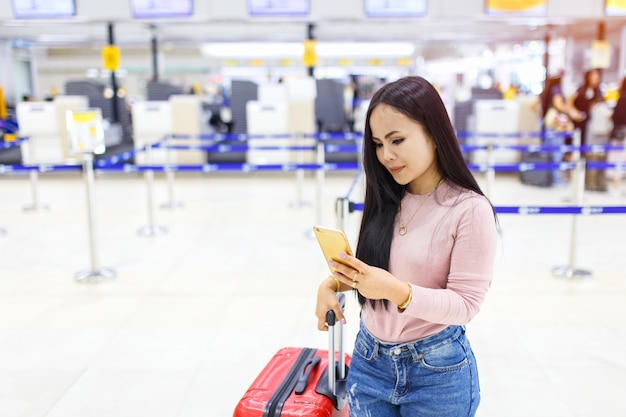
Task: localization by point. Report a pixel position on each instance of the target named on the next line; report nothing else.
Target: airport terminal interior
(163, 163)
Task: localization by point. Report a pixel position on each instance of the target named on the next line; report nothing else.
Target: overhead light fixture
(296, 49)
(365, 49)
(252, 49)
(62, 38)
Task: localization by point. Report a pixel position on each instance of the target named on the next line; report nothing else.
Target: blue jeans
(433, 376)
(553, 138)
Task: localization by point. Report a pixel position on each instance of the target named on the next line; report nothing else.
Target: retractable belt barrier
(13, 143)
(15, 168)
(224, 143)
(233, 167)
(533, 210)
(344, 206)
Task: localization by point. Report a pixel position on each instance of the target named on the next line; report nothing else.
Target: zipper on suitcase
(275, 404)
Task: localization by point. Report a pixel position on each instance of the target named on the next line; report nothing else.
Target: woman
(552, 97)
(619, 113)
(561, 119)
(583, 100)
(423, 263)
(618, 136)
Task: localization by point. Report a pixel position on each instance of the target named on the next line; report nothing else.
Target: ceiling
(448, 28)
(433, 37)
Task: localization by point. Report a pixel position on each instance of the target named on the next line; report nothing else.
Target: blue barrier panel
(584, 210)
(513, 135)
(235, 148)
(232, 143)
(221, 137)
(232, 167)
(234, 137)
(524, 210)
(336, 135)
(521, 148)
(545, 148)
(523, 167)
(116, 159)
(7, 169)
(604, 165)
(12, 144)
(340, 148)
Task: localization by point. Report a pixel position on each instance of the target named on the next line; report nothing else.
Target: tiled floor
(194, 314)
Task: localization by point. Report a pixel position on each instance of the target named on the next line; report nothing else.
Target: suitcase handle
(334, 344)
(303, 380)
(335, 387)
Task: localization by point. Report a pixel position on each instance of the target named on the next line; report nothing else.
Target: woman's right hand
(576, 115)
(327, 300)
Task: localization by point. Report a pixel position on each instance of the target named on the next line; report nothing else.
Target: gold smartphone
(333, 242)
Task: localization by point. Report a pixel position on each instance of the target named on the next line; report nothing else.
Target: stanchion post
(150, 229)
(576, 142)
(578, 183)
(577, 192)
(320, 176)
(95, 274)
(342, 209)
(299, 201)
(491, 171)
(169, 174)
(34, 179)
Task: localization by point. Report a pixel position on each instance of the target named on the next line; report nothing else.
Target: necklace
(403, 226)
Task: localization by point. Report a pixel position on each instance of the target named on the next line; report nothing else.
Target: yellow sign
(3, 105)
(309, 58)
(86, 132)
(111, 57)
(516, 6)
(615, 7)
(600, 54)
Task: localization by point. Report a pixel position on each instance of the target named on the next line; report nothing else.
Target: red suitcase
(299, 382)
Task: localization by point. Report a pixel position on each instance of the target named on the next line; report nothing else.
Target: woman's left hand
(371, 282)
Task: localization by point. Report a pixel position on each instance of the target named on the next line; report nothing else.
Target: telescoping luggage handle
(336, 370)
(332, 383)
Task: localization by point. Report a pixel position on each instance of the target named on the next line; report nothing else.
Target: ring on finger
(356, 274)
(354, 284)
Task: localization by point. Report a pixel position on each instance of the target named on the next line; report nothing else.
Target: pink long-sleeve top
(447, 255)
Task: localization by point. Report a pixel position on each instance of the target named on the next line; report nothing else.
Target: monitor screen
(537, 8)
(43, 9)
(278, 7)
(615, 8)
(161, 8)
(395, 8)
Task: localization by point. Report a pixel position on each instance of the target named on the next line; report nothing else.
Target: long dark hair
(547, 94)
(417, 99)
